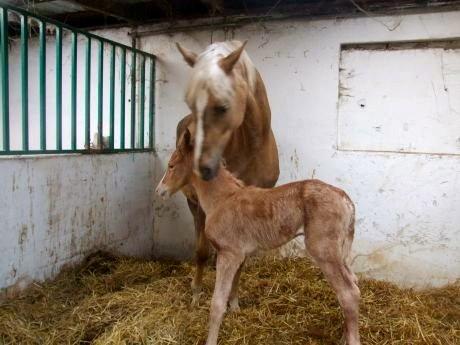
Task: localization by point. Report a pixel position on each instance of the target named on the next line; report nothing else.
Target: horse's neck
(248, 140)
(211, 193)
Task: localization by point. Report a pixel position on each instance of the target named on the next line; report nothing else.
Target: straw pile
(110, 300)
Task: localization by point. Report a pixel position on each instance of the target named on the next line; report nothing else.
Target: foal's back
(260, 219)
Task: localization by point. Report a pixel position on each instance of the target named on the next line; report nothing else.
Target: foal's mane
(231, 176)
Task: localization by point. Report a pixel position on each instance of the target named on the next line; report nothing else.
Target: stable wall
(407, 199)
(56, 209)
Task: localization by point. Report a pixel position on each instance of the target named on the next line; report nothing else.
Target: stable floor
(109, 300)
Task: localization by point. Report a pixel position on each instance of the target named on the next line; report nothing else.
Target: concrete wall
(408, 211)
(54, 210)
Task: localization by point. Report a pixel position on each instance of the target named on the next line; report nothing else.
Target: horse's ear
(189, 56)
(227, 63)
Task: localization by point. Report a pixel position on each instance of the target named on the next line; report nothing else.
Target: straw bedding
(110, 300)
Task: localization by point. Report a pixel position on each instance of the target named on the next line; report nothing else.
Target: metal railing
(79, 132)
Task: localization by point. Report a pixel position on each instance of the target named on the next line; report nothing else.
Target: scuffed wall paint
(56, 210)
(407, 204)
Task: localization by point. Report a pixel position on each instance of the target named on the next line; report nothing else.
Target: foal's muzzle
(162, 191)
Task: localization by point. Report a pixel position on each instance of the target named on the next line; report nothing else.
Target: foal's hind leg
(347, 293)
(202, 249)
(327, 254)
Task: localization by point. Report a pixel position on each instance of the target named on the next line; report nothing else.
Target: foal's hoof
(196, 300)
(234, 306)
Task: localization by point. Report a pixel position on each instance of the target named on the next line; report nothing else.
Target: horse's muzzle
(207, 173)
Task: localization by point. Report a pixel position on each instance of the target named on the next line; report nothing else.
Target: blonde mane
(207, 74)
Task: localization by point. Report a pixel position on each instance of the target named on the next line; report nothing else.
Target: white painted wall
(408, 211)
(407, 204)
(54, 210)
(401, 99)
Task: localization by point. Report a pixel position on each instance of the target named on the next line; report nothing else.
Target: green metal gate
(140, 134)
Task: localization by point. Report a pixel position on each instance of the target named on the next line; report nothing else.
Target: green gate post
(58, 88)
(25, 82)
(42, 84)
(73, 92)
(5, 79)
(88, 94)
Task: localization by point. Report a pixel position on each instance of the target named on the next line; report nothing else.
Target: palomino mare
(230, 119)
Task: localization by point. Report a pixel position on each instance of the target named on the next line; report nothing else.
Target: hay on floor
(110, 300)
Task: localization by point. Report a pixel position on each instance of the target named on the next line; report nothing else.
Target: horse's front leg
(202, 249)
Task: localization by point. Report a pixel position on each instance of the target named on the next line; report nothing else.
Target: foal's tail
(348, 241)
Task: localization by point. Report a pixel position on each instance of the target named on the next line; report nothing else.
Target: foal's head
(180, 167)
(217, 95)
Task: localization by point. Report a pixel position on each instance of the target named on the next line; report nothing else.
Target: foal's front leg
(233, 300)
(226, 269)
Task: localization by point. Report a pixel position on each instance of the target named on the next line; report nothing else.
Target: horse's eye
(220, 110)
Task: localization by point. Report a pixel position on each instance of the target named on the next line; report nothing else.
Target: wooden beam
(108, 8)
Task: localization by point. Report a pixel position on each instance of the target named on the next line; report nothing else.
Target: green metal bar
(112, 97)
(88, 93)
(42, 84)
(122, 98)
(142, 113)
(100, 82)
(59, 88)
(73, 29)
(4, 91)
(152, 105)
(73, 93)
(133, 98)
(40, 152)
(5, 78)
(25, 82)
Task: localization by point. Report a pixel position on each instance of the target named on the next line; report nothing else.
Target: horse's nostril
(206, 173)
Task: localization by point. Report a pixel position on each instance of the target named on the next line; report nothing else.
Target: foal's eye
(220, 110)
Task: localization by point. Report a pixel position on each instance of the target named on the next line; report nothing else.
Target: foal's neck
(212, 193)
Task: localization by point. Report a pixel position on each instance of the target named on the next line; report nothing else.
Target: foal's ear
(227, 63)
(189, 56)
(188, 139)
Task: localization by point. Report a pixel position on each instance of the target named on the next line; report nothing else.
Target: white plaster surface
(408, 211)
(408, 204)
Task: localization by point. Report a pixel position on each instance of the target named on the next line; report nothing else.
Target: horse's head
(180, 167)
(217, 95)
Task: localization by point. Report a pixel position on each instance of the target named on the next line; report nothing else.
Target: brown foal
(241, 220)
